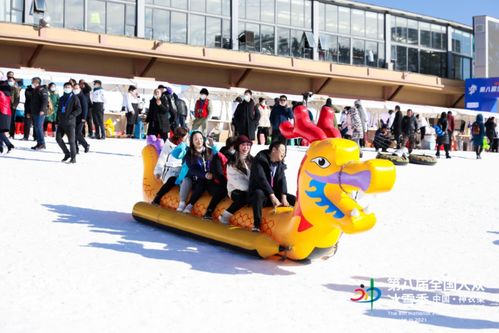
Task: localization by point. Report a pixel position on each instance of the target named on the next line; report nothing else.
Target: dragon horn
(326, 122)
(303, 127)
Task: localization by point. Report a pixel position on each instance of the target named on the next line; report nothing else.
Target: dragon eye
(322, 162)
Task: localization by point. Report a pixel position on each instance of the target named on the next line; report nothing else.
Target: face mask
(68, 90)
(11, 83)
(262, 103)
(203, 97)
(232, 151)
(247, 98)
(53, 89)
(77, 91)
(33, 86)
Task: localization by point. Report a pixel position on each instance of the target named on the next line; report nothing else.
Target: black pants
(218, 193)
(197, 190)
(478, 150)
(130, 123)
(446, 148)
(170, 183)
(12, 130)
(69, 131)
(265, 131)
(4, 139)
(259, 200)
(90, 123)
(98, 114)
(181, 121)
(27, 127)
(239, 200)
(80, 139)
(423, 132)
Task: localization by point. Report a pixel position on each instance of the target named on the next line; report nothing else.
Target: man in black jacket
(409, 129)
(69, 109)
(39, 108)
(268, 186)
(28, 95)
(81, 118)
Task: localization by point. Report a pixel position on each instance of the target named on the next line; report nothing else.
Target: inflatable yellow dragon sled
(329, 173)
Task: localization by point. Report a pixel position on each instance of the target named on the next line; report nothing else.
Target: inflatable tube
(395, 159)
(330, 171)
(422, 159)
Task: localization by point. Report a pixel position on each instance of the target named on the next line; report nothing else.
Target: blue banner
(482, 94)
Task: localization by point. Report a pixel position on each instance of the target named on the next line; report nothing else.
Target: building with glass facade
(343, 32)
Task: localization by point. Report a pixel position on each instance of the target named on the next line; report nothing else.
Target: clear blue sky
(461, 11)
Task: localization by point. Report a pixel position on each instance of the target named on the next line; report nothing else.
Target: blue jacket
(179, 152)
(478, 139)
(278, 115)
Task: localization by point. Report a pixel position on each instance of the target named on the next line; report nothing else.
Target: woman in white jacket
(238, 175)
(168, 167)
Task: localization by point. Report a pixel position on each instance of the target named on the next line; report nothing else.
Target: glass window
(130, 15)
(344, 50)
(322, 16)
(214, 6)
(424, 34)
(96, 21)
(331, 18)
(115, 18)
(213, 32)
(328, 48)
(267, 11)
(372, 54)
(358, 52)
(253, 10)
(308, 14)
(371, 25)
(283, 41)
(381, 26)
(381, 55)
(165, 3)
(242, 8)
(412, 32)
(197, 30)
(425, 62)
(227, 38)
(161, 24)
(18, 4)
(466, 69)
(55, 9)
(297, 43)
(400, 30)
(73, 14)
(399, 57)
(297, 13)
(283, 12)
(461, 42)
(198, 6)
(344, 20)
(436, 37)
(358, 22)
(267, 36)
(412, 60)
(226, 7)
(179, 26)
(148, 18)
(253, 39)
(181, 4)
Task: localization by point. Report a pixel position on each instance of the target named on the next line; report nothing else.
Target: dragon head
(330, 173)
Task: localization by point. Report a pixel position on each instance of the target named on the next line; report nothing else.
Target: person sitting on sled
(268, 186)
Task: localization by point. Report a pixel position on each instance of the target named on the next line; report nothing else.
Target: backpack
(438, 131)
(224, 161)
(475, 129)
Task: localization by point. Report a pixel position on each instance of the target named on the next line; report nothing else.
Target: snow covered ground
(73, 259)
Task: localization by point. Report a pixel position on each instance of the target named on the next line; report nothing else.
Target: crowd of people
(65, 114)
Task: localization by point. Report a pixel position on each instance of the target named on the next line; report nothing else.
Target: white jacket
(264, 116)
(167, 165)
(128, 100)
(98, 96)
(236, 180)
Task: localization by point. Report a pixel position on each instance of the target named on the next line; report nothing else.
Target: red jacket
(5, 104)
(201, 111)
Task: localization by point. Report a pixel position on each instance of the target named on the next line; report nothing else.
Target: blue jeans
(38, 128)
